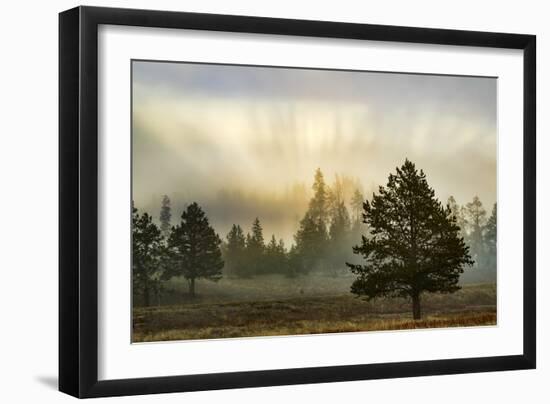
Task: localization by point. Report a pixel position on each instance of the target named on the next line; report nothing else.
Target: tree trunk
(416, 306)
(192, 287)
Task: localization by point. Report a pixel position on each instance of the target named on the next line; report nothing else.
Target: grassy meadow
(276, 305)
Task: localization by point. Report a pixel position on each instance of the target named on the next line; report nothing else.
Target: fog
(244, 142)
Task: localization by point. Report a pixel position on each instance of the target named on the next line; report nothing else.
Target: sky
(244, 141)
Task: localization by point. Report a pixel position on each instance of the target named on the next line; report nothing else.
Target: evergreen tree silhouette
(476, 217)
(147, 256)
(255, 249)
(312, 236)
(415, 246)
(195, 248)
(235, 251)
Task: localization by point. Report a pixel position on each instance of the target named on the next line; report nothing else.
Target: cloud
(200, 129)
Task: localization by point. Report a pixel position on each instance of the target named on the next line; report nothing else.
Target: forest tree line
(479, 230)
(323, 242)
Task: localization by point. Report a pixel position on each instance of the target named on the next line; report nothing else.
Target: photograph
(276, 201)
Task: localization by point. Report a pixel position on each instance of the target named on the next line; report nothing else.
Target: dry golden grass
(319, 327)
(473, 306)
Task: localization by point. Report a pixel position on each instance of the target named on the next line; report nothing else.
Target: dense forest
(339, 231)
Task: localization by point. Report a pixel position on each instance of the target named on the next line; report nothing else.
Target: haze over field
(245, 141)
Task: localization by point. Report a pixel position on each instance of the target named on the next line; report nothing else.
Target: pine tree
(414, 246)
(165, 216)
(334, 194)
(357, 206)
(476, 218)
(311, 241)
(281, 248)
(319, 204)
(490, 231)
(312, 236)
(235, 251)
(195, 248)
(271, 255)
(275, 257)
(490, 241)
(292, 262)
(339, 233)
(147, 256)
(255, 249)
(458, 213)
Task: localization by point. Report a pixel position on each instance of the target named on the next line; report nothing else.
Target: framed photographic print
(250, 201)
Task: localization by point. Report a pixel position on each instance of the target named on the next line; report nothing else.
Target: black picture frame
(78, 201)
